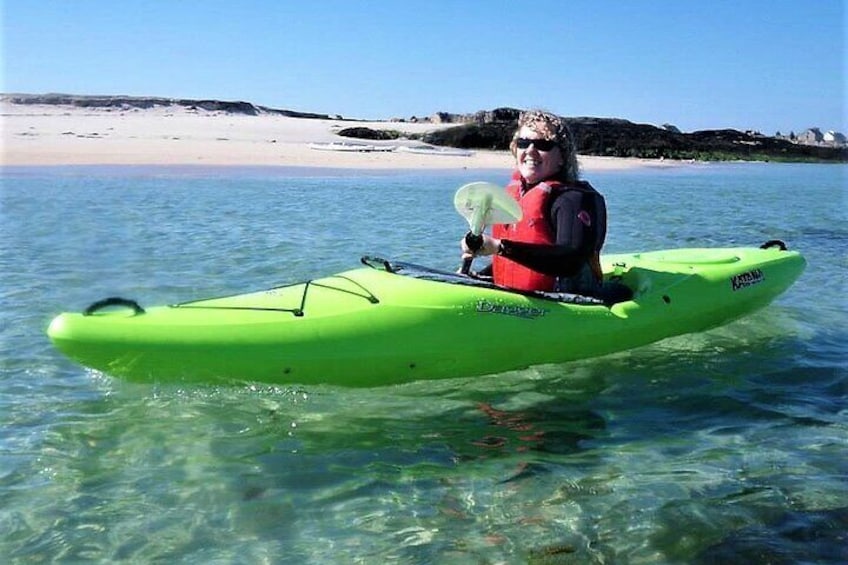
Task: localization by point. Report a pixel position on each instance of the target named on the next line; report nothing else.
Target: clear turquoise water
(724, 446)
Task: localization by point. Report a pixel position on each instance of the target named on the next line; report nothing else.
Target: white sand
(67, 135)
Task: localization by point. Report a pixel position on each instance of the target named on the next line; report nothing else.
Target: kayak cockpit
(612, 292)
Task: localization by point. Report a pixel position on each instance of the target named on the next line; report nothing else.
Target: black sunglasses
(539, 144)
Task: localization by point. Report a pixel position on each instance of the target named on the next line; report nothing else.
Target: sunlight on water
(725, 443)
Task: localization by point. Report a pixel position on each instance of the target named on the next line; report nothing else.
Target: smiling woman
(556, 245)
(555, 153)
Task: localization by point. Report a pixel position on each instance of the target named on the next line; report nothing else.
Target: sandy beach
(43, 135)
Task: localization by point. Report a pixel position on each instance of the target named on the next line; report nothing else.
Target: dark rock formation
(482, 117)
(369, 133)
(494, 135)
(622, 138)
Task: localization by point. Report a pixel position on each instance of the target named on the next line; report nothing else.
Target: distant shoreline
(189, 171)
(67, 134)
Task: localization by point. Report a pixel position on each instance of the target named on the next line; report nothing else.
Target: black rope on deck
(298, 312)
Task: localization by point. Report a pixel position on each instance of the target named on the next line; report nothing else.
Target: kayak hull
(374, 327)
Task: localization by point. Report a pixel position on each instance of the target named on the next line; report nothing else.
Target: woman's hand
(490, 247)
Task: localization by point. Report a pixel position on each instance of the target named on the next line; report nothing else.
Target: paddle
(483, 204)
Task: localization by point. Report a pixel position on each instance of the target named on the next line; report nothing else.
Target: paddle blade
(484, 204)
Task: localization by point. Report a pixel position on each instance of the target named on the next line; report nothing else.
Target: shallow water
(724, 445)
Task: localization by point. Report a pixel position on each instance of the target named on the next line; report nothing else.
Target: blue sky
(766, 65)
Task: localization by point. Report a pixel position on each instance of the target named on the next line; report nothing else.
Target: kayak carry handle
(377, 263)
(113, 301)
(774, 243)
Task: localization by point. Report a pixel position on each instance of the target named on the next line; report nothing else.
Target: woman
(556, 245)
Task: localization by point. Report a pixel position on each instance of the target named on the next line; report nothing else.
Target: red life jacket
(535, 227)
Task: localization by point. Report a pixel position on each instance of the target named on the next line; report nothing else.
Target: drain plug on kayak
(666, 299)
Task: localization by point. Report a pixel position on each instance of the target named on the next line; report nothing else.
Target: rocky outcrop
(481, 117)
(622, 138)
(369, 133)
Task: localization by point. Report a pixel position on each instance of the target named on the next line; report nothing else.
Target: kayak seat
(613, 292)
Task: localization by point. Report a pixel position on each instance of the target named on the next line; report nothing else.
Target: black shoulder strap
(591, 201)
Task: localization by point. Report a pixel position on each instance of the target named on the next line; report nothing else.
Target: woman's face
(536, 165)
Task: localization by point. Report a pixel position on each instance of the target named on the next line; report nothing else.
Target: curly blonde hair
(552, 127)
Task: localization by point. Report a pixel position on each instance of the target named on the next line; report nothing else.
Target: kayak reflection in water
(556, 245)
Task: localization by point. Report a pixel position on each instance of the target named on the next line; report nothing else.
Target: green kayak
(386, 323)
